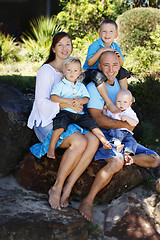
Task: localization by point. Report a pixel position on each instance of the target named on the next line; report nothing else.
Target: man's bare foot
(120, 147)
(54, 198)
(128, 159)
(86, 211)
(51, 153)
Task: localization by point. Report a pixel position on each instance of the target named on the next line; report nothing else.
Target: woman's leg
(92, 146)
(76, 145)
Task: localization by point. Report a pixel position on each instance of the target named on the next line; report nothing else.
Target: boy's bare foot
(86, 211)
(128, 159)
(54, 198)
(120, 147)
(106, 145)
(51, 153)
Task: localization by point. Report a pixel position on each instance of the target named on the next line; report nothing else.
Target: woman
(80, 149)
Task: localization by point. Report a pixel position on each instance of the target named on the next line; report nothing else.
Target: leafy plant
(9, 48)
(80, 17)
(80, 46)
(145, 60)
(38, 40)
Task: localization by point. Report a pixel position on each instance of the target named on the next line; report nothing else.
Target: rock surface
(14, 135)
(26, 215)
(40, 174)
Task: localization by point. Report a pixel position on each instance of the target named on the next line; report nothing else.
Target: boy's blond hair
(71, 60)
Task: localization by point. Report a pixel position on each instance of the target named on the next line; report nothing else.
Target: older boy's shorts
(98, 77)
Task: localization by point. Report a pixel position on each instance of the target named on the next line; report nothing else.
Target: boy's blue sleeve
(84, 92)
(57, 89)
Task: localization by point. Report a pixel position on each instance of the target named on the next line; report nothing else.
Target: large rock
(130, 217)
(14, 135)
(40, 174)
(26, 215)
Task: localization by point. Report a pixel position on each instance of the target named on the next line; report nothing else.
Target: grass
(21, 75)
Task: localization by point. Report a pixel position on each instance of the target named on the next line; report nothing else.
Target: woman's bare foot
(65, 197)
(51, 153)
(54, 198)
(86, 211)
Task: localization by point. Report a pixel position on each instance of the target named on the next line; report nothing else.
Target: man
(109, 65)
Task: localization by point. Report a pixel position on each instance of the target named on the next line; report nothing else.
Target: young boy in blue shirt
(74, 93)
(108, 32)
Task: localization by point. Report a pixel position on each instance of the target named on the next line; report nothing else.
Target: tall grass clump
(37, 40)
(9, 49)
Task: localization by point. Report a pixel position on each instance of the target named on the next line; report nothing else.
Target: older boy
(108, 32)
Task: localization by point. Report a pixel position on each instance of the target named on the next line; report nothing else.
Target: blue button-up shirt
(94, 47)
(67, 89)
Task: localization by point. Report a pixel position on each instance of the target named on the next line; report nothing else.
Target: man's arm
(107, 122)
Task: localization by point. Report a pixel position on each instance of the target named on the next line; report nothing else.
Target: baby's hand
(123, 118)
(105, 110)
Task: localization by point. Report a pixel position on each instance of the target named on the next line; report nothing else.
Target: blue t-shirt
(96, 101)
(67, 89)
(94, 47)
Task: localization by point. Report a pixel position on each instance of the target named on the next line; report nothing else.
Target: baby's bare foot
(120, 147)
(86, 211)
(128, 159)
(54, 198)
(51, 153)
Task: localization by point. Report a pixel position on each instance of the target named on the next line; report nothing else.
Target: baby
(123, 138)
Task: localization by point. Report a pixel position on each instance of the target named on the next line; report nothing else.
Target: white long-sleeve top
(128, 112)
(44, 110)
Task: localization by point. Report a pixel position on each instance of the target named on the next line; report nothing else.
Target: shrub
(145, 60)
(82, 16)
(135, 27)
(38, 41)
(80, 46)
(147, 97)
(8, 48)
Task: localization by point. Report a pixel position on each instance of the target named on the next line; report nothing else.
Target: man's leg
(102, 179)
(146, 158)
